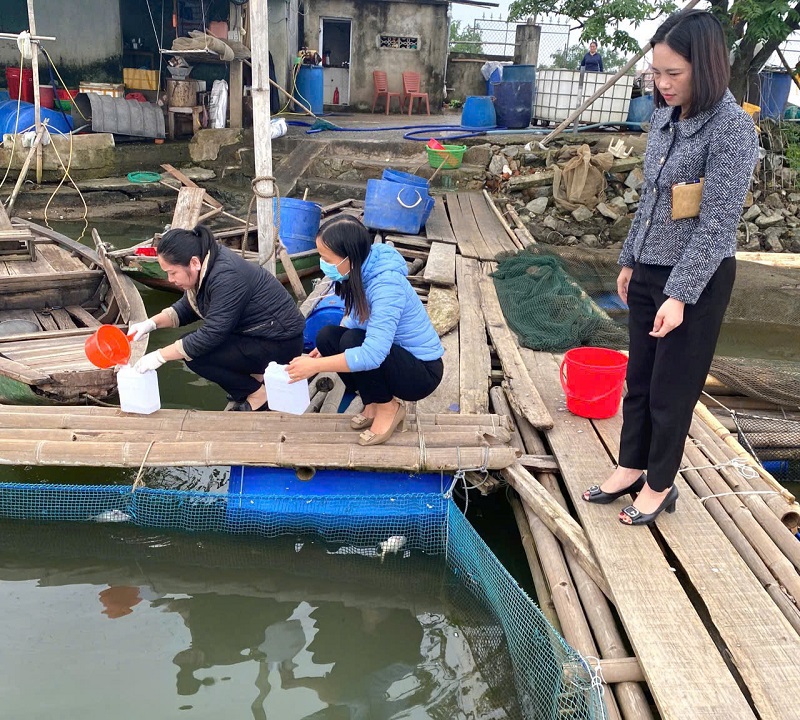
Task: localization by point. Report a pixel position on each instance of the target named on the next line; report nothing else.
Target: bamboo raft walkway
(695, 618)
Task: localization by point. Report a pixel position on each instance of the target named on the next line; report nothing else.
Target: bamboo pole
(511, 234)
(557, 520)
(37, 103)
(757, 536)
(267, 454)
(718, 453)
(630, 696)
(23, 173)
(743, 546)
(719, 430)
(259, 62)
(529, 239)
(543, 596)
(291, 273)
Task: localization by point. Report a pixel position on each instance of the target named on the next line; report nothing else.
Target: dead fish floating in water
(392, 544)
(112, 516)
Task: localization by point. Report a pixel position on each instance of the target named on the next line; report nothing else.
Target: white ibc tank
(558, 93)
(282, 395)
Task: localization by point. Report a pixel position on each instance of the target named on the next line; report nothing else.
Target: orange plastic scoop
(434, 144)
(108, 346)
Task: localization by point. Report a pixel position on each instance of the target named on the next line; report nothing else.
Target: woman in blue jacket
(386, 348)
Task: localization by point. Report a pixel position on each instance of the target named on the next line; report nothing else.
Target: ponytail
(179, 246)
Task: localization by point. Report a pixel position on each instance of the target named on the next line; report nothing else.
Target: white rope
(596, 680)
(747, 471)
(740, 492)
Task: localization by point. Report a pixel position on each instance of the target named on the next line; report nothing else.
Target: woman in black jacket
(249, 318)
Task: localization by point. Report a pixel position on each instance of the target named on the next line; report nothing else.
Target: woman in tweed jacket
(677, 274)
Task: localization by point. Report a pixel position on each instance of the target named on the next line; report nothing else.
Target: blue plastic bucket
(9, 123)
(495, 77)
(309, 87)
(641, 109)
(395, 207)
(299, 223)
(404, 178)
(479, 112)
(513, 102)
(329, 311)
(775, 88)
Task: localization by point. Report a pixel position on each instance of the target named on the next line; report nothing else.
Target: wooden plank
(46, 320)
(764, 646)
(63, 319)
(40, 266)
(493, 233)
(463, 227)
(411, 241)
(21, 372)
(188, 182)
(114, 275)
(440, 268)
(446, 397)
(60, 259)
(292, 167)
(685, 672)
(83, 316)
(188, 208)
(438, 225)
(523, 394)
(483, 250)
(475, 362)
(5, 222)
(26, 283)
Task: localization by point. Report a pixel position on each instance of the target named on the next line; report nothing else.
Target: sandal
(595, 495)
(360, 422)
(631, 516)
(370, 438)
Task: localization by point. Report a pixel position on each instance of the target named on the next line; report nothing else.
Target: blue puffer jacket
(397, 316)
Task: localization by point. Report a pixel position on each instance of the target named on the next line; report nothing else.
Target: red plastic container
(107, 347)
(593, 379)
(47, 97)
(12, 78)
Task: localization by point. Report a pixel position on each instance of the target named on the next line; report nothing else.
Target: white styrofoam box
(557, 95)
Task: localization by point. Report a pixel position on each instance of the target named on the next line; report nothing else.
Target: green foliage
(466, 39)
(455, 104)
(791, 142)
(571, 58)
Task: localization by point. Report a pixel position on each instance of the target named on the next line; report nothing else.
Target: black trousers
(233, 363)
(401, 375)
(666, 375)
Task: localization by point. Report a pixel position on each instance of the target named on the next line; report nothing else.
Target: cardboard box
(136, 79)
(113, 89)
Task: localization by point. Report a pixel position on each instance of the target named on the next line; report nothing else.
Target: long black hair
(348, 238)
(698, 37)
(179, 246)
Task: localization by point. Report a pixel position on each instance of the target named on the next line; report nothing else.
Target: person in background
(592, 61)
(249, 319)
(386, 347)
(678, 262)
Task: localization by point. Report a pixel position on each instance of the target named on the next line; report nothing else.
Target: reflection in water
(282, 629)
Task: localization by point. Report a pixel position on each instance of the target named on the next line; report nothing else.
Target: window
(398, 42)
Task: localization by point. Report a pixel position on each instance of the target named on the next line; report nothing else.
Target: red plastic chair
(411, 92)
(381, 88)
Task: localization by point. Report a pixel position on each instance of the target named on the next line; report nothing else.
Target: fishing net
(556, 298)
(531, 672)
(774, 441)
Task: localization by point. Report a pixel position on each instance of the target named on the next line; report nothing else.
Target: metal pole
(259, 58)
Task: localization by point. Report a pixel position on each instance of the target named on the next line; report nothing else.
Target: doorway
(334, 42)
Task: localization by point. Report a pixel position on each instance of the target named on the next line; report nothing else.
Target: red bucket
(12, 78)
(108, 346)
(592, 379)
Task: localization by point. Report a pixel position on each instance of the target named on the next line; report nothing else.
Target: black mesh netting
(775, 441)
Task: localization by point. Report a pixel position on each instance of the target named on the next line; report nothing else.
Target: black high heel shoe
(639, 518)
(595, 495)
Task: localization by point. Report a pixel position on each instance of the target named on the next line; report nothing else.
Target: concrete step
(329, 190)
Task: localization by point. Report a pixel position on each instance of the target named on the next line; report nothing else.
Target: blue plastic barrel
(641, 109)
(309, 87)
(779, 469)
(9, 123)
(479, 112)
(775, 88)
(299, 223)
(395, 207)
(495, 77)
(519, 73)
(329, 311)
(513, 101)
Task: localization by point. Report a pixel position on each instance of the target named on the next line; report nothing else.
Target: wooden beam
(474, 361)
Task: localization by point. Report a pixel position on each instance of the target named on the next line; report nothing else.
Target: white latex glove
(141, 329)
(151, 361)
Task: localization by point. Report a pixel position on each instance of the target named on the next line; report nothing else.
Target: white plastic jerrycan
(282, 395)
(138, 392)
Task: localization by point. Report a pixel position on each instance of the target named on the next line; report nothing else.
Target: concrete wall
(464, 74)
(88, 32)
(428, 21)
